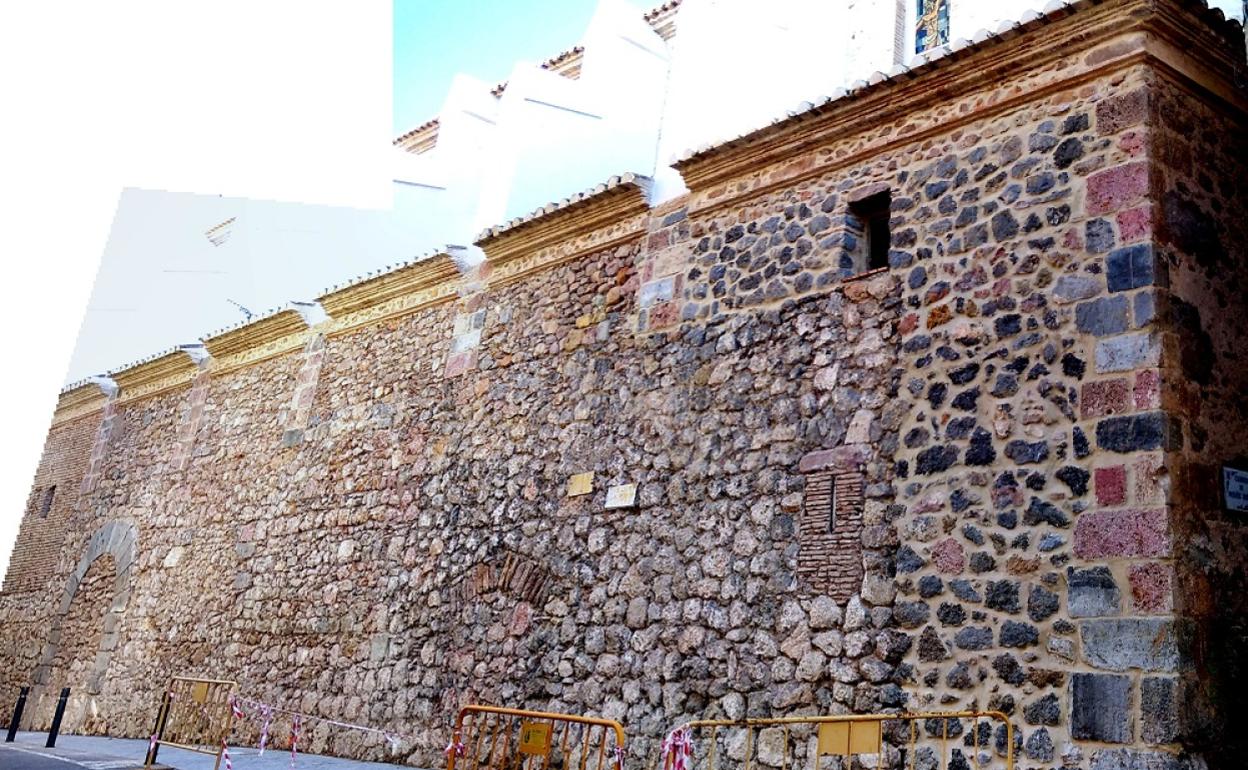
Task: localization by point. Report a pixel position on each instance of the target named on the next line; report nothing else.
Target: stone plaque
(535, 738)
(1235, 489)
(581, 484)
(622, 496)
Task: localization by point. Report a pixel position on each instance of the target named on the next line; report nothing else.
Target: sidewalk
(75, 752)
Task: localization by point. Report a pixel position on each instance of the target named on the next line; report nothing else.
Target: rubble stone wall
(976, 478)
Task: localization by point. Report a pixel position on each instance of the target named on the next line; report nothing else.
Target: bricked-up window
(868, 221)
(829, 558)
(46, 506)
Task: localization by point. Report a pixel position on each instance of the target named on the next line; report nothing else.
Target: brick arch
(119, 540)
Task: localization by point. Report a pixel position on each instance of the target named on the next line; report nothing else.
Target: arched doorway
(84, 631)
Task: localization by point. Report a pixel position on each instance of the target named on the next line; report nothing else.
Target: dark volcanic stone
(966, 400)
(963, 589)
(1041, 603)
(1004, 226)
(950, 614)
(911, 614)
(981, 562)
(931, 648)
(936, 459)
(1015, 634)
(974, 638)
(1075, 478)
(930, 585)
(981, 451)
(964, 374)
(1136, 433)
(1045, 711)
(908, 560)
(1007, 668)
(1023, 452)
(1040, 512)
(1002, 595)
(1008, 325)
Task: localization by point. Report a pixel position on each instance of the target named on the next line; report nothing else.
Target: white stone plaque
(622, 496)
(1235, 488)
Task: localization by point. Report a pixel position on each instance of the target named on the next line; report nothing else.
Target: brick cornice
(270, 336)
(155, 376)
(559, 225)
(79, 401)
(1069, 32)
(397, 292)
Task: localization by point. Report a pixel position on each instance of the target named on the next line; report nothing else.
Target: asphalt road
(80, 752)
(27, 756)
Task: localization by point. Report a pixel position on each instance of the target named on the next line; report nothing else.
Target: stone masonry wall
(379, 524)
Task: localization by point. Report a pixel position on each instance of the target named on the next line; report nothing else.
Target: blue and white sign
(1235, 488)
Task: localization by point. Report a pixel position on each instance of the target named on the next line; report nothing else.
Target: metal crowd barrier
(195, 715)
(514, 739)
(908, 741)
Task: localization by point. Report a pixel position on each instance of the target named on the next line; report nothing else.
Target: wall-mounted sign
(535, 738)
(1235, 489)
(622, 496)
(581, 484)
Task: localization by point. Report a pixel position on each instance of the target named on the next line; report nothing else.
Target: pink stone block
(1135, 224)
(1123, 533)
(1148, 389)
(1116, 187)
(1150, 479)
(948, 556)
(1151, 587)
(1111, 486)
(1105, 397)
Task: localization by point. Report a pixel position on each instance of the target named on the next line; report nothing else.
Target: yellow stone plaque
(535, 738)
(844, 738)
(199, 692)
(581, 484)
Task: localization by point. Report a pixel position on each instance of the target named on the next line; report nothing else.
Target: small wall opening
(46, 506)
(868, 222)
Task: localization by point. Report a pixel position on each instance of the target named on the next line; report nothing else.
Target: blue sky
(435, 39)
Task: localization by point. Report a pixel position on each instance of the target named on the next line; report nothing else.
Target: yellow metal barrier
(195, 715)
(513, 739)
(782, 742)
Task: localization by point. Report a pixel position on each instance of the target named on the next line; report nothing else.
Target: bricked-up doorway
(84, 630)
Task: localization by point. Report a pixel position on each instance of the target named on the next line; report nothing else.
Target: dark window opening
(48, 494)
(870, 216)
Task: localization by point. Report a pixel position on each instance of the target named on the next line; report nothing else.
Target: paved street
(79, 752)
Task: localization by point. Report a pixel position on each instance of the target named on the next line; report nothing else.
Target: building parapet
(168, 370)
(272, 335)
(78, 399)
(408, 288)
(595, 219)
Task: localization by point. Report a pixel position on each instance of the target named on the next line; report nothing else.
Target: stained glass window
(932, 24)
